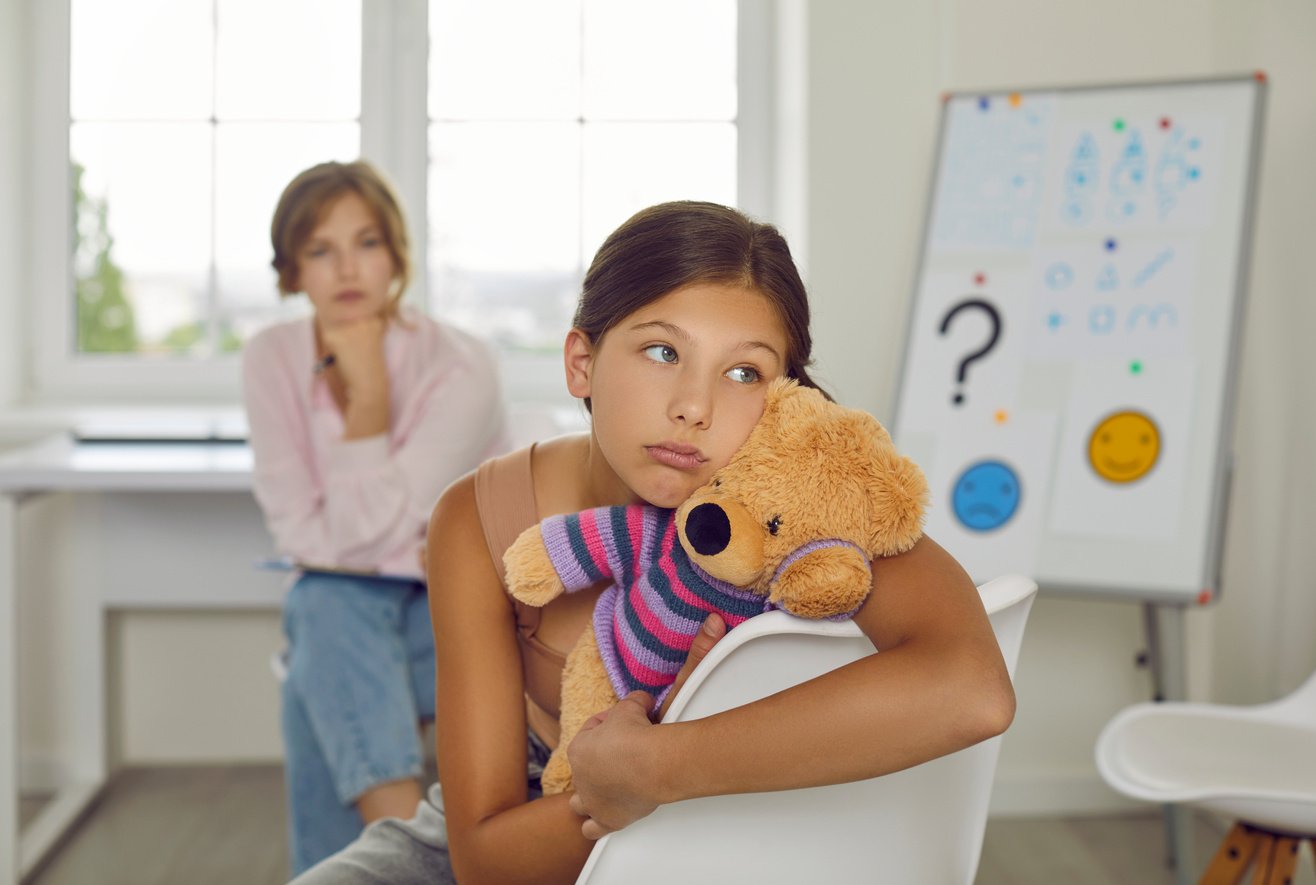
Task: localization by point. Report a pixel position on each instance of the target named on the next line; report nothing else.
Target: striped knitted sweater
(647, 620)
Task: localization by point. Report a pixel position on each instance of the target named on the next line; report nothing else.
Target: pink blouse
(365, 503)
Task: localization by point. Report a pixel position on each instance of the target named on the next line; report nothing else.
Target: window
(519, 133)
(175, 175)
(540, 148)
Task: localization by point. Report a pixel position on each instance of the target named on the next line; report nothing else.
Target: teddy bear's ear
(900, 494)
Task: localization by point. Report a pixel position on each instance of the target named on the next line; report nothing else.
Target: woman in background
(360, 416)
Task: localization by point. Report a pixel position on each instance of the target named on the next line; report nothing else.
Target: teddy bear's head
(814, 494)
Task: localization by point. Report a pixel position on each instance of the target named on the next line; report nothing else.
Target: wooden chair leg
(1232, 857)
(1276, 858)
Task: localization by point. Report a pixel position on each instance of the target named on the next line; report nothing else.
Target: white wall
(876, 71)
(192, 686)
(12, 245)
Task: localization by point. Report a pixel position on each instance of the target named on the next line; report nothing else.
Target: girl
(360, 416)
(687, 312)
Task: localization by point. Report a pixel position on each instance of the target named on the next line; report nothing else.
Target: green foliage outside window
(105, 315)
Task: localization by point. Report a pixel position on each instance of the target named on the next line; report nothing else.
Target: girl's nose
(692, 405)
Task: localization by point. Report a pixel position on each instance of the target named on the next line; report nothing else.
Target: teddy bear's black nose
(708, 530)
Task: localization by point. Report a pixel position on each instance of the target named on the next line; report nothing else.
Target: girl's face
(345, 266)
(677, 386)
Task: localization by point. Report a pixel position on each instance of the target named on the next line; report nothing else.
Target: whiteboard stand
(1086, 253)
(1166, 651)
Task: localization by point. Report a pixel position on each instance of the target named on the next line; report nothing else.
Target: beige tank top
(505, 499)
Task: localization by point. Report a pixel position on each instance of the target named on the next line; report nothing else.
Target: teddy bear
(793, 521)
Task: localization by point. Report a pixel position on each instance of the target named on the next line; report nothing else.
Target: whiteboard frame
(1222, 474)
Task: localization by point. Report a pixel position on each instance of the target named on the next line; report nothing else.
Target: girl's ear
(578, 356)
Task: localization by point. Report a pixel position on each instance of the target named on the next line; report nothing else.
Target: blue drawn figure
(1154, 315)
(1153, 267)
(1054, 320)
(1108, 278)
(1081, 180)
(1174, 172)
(1128, 180)
(986, 495)
(1101, 319)
(1129, 176)
(1059, 276)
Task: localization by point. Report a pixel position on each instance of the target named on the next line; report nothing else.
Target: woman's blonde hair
(307, 199)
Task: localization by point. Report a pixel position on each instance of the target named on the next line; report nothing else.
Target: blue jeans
(360, 681)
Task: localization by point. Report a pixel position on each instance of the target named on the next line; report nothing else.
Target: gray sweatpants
(401, 852)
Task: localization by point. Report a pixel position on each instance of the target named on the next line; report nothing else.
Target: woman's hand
(613, 764)
(358, 352)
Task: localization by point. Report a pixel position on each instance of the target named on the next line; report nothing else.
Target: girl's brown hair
(308, 198)
(665, 247)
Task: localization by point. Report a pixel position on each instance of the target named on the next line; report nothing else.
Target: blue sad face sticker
(986, 496)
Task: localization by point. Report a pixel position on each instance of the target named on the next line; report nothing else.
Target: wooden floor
(200, 825)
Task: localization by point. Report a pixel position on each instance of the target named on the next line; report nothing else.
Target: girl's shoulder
(524, 485)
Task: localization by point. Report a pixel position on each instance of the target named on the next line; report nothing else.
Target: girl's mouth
(682, 458)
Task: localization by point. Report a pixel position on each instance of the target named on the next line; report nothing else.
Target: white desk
(59, 465)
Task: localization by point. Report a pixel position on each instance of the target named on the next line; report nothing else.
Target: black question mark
(995, 317)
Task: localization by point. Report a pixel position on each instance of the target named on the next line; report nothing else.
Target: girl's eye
(744, 374)
(661, 353)
(371, 243)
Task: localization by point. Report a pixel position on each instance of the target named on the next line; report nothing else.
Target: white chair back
(921, 825)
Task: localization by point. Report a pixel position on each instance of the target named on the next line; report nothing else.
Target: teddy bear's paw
(824, 583)
(531, 577)
(557, 774)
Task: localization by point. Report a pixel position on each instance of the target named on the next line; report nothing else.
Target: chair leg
(1232, 857)
(1277, 856)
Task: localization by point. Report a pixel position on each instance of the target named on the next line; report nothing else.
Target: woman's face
(677, 386)
(345, 266)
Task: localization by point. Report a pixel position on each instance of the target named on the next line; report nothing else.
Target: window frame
(394, 135)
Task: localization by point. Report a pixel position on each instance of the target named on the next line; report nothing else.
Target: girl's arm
(938, 685)
(494, 834)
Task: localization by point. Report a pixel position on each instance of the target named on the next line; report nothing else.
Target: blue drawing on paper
(1152, 316)
(1152, 267)
(990, 190)
(1129, 177)
(1059, 276)
(1108, 278)
(1101, 319)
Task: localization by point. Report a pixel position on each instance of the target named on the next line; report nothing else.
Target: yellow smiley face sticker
(1124, 446)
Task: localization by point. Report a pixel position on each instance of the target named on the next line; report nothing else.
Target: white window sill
(23, 424)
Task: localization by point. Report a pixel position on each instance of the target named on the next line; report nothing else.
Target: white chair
(921, 825)
(1255, 765)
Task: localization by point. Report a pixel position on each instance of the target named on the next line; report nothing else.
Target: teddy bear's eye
(717, 483)
(774, 524)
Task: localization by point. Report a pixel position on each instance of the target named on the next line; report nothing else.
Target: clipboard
(289, 564)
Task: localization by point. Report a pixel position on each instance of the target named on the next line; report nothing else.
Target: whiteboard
(1069, 366)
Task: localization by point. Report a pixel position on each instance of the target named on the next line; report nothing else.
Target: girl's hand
(609, 755)
(714, 628)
